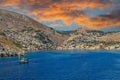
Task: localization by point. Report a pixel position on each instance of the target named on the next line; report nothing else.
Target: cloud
(68, 11)
(59, 3)
(101, 21)
(57, 25)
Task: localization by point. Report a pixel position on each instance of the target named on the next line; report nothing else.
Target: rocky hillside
(110, 37)
(90, 39)
(19, 32)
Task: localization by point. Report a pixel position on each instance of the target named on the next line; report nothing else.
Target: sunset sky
(70, 14)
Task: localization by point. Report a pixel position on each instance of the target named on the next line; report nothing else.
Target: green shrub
(17, 44)
(2, 33)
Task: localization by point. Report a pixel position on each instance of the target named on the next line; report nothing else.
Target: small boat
(24, 60)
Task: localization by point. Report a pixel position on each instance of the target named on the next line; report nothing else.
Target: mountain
(21, 33)
(92, 40)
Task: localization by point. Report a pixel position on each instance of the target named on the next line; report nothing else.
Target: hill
(92, 40)
(26, 33)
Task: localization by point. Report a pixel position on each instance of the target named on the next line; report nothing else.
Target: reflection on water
(63, 65)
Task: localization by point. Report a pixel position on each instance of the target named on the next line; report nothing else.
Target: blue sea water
(63, 65)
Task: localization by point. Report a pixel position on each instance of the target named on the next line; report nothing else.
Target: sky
(70, 14)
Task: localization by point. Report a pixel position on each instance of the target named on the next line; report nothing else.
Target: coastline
(13, 54)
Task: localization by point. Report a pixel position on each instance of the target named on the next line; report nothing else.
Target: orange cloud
(60, 3)
(102, 21)
(10, 2)
(67, 10)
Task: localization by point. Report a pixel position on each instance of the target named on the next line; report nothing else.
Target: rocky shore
(6, 51)
(90, 46)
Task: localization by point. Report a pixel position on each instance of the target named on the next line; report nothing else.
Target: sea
(63, 65)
